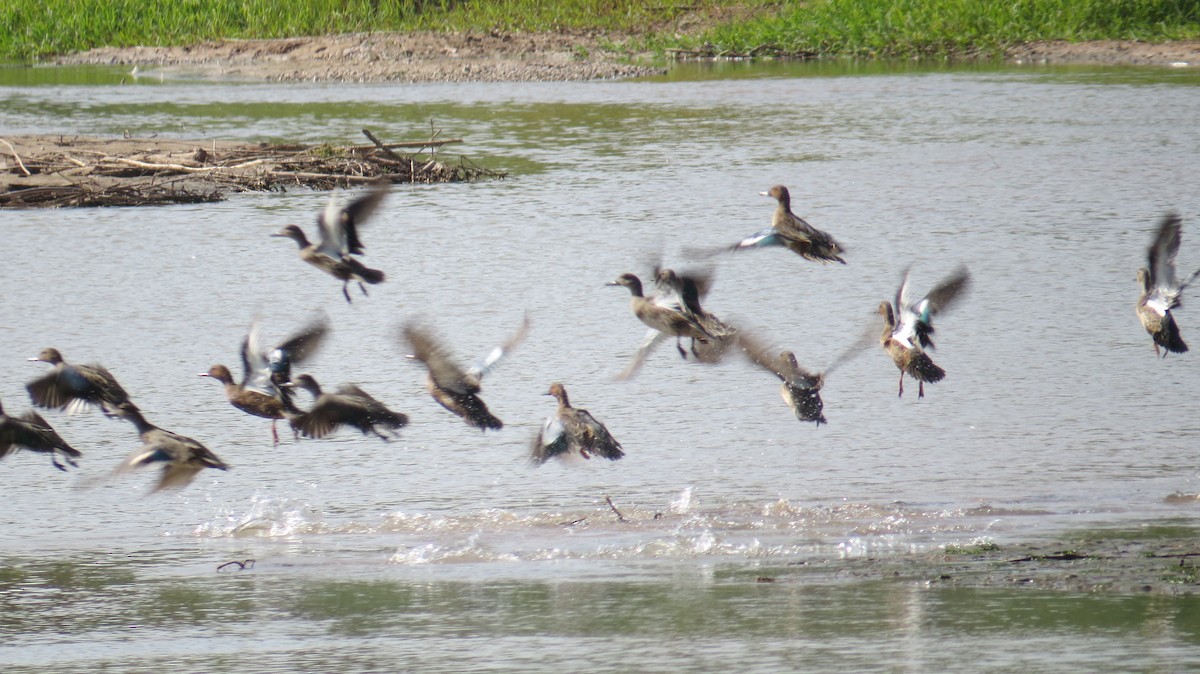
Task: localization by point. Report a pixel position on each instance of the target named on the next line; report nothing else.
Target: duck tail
(368, 275)
(394, 419)
(1172, 341)
(922, 368)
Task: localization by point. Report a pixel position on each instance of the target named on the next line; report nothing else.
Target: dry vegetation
(63, 171)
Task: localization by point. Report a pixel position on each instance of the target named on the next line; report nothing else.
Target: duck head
(294, 233)
(779, 193)
(559, 393)
(48, 355)
(629, 281)
(305, 382)
(220, 373)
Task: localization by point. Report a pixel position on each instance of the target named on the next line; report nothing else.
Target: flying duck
(907, 327)
(347, 405)
(337, 227)
(1161, 290)
(792, 232)
(266, 370)
(450, 385)
(182, 458)
(30, 431)
(572, 431)
(664, 315)
(682, 292)
(800, 388)
(74, 387)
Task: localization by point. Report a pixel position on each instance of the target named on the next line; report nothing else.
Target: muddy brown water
(443, 551)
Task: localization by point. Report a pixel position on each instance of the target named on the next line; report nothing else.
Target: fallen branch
(240, 565)
(186, 169)
(16, 156)
(408, 143)
(1060, 557)
(379, 144)
(620, 517)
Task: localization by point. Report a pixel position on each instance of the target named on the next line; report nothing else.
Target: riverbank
(497, 57)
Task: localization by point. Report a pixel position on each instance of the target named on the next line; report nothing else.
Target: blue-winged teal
(74, 387)
(337, 227)
(908, 326)
(182, 458)
(679, 295)
(684, 291)
(347, 405)
(30, 431)
(450, 385)
(792, 232)
(1161, 290)
(665, 315)
(265, 370)
(800, 388)
(572, 431)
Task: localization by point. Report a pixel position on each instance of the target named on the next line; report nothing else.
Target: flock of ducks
(267, 388)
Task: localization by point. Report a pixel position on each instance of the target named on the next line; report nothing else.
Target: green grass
(33, 28)
(925, 27)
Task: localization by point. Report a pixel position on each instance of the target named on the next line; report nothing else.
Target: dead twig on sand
(16, 156)
(620, 517)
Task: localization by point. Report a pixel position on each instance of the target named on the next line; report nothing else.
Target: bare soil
(498, 57)
(367, 57)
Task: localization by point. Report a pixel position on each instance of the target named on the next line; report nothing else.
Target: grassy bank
(922, 27)
(36, 28)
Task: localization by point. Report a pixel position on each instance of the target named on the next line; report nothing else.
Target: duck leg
(901, 394)
(363, 288)
(679, 346)
(920, 389)
(346, 292)
(275, 432)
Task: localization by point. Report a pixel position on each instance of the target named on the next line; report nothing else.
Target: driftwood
(59, 171)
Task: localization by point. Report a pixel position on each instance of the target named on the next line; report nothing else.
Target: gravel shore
(500, 57)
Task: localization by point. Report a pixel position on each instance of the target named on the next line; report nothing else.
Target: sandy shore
(427, 57)
(375, 57)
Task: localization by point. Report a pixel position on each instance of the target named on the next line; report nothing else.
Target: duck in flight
(792, 232)
(800, 387)
(75, 388)
(907, 327)
(347, 405)
(665, 315)
(30, 431)
(1161, 290)
(182, 458)
(265, 370)
(572, 431)
(682, 293)
(453, 387)
(337, 227)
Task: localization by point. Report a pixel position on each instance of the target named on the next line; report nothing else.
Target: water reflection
(824, 622)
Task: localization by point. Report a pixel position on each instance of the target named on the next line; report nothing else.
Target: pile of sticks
(59, 172)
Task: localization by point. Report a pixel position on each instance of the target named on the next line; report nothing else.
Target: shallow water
(443, 551)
